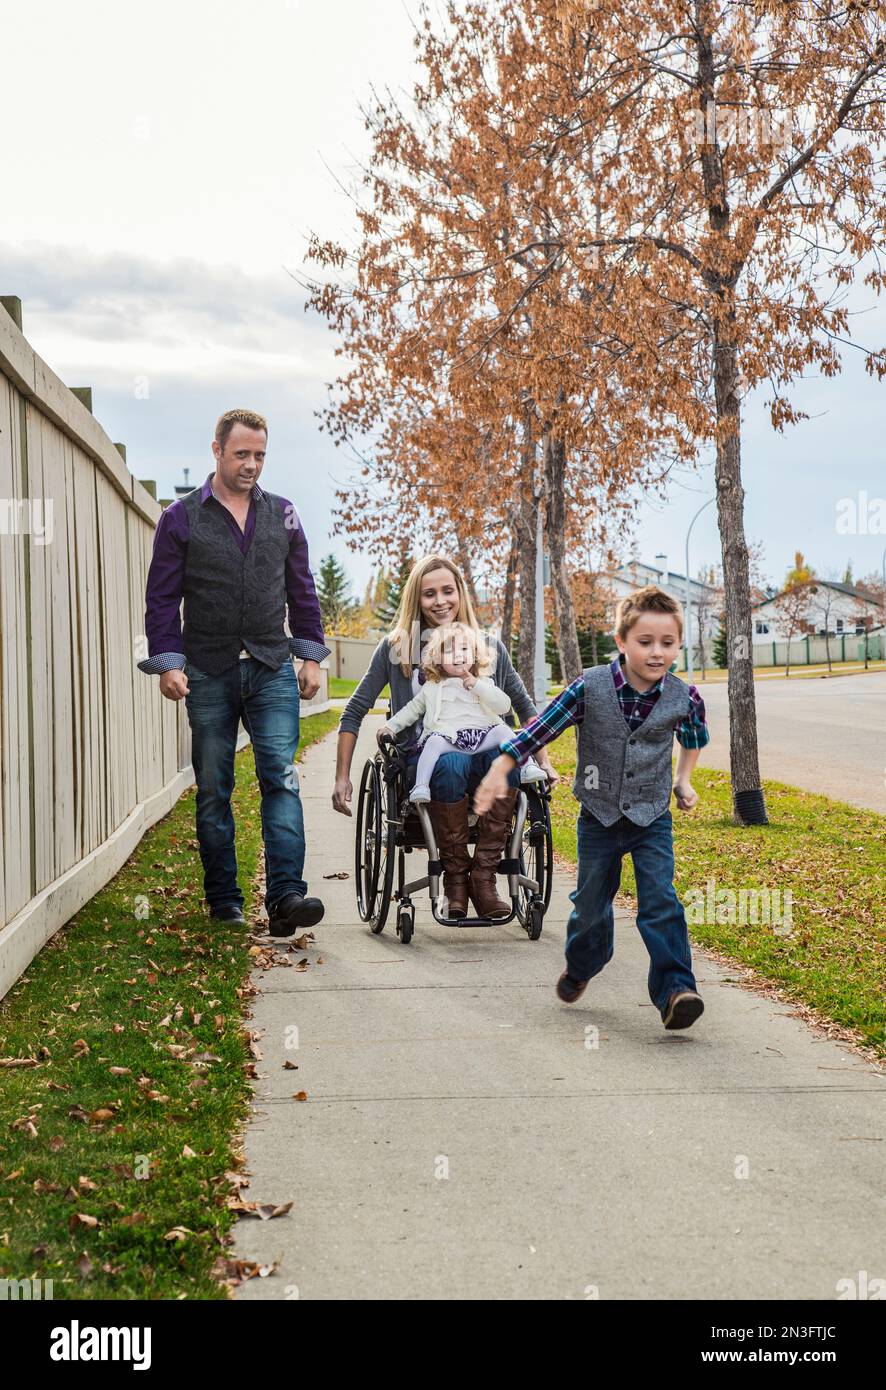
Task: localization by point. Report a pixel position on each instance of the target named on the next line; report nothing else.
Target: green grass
(161, 997)
(832, 858)
(339, 688)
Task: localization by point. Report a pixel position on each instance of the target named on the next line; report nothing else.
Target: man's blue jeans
(458, 773)
(268, 702)
(660, 916)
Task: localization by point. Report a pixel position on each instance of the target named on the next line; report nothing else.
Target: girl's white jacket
(445, 714)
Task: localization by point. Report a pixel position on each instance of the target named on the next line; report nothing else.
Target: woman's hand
(544, 761)
(385, 729)
(341, 794)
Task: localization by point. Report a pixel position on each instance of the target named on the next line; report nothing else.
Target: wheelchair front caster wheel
(534, 921)
(405, 924)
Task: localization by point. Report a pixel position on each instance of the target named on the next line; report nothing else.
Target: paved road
(828, 736)
(461, 1141)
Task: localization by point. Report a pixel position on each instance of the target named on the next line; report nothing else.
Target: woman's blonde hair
(406, 634)
(439, 649)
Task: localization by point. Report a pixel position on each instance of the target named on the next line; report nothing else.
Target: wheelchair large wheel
(536, 862)
(375, 847)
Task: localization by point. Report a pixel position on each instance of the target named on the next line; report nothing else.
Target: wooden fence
(90, 754)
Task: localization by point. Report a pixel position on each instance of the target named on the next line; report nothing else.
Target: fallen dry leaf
(82, 1218)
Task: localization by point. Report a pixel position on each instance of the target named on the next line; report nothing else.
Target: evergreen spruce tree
(721, 657)
(386, 611)
(333, 593)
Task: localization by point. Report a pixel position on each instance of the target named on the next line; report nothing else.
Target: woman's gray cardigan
(383, 671)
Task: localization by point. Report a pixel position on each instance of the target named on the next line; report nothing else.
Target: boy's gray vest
(232, 599)
(632, 771)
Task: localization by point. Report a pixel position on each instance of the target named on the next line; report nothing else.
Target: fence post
(13, 306)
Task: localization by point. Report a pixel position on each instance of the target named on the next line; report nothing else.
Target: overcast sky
(162, 169)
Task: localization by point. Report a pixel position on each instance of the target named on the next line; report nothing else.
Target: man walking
(237, 555)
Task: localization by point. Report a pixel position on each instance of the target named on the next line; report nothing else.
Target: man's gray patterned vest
(232, 599)
(624, 773)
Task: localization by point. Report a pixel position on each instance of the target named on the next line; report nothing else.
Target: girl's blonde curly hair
(439, 648)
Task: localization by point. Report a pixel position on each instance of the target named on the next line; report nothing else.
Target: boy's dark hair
(648, 600)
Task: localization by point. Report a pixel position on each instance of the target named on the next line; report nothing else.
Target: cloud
(118, 316)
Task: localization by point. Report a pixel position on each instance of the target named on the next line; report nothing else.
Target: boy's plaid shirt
(569, 708)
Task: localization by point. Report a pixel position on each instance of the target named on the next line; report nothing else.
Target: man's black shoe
(228, 912)
(292, 912)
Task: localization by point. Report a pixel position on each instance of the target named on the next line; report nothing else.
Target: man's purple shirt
(166, 577)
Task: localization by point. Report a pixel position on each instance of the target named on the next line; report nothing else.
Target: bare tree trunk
(747, 795)
(554, 458)
(507, 607)
(464, 564)
(593, 644)
(527, 527)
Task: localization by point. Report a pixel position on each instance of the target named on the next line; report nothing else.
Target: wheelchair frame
(389, 827)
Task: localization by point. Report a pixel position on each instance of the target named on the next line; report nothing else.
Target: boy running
(626, 715)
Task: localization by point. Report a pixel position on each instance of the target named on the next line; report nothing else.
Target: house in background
(835, 609)
(634, 575)
(704, 598)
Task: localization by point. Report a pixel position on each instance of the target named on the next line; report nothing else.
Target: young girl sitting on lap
(460, 706)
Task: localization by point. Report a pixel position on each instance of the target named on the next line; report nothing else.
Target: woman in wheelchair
(435, 595)
(460, 708)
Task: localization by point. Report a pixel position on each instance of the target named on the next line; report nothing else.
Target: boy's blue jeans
(458, 773)
(660, 916)
(268, 702)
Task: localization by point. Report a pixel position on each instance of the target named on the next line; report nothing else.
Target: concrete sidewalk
(466, 1136)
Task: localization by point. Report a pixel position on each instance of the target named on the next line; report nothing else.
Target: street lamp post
(538, 670)
(688, 623)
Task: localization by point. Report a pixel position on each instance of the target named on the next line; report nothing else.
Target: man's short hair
(225, 423)
(648, 600)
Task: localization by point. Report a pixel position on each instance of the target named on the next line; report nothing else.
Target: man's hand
(309, 679)
(686, 795)
(174, 685)
(494, 784)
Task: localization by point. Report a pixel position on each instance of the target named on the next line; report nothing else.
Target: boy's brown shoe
(682, 1009)
(568, 989)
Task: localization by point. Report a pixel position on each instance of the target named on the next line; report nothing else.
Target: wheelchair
(390, 826)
